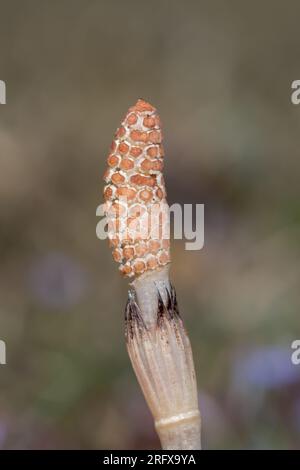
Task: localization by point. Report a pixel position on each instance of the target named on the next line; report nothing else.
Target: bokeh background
(220, 74)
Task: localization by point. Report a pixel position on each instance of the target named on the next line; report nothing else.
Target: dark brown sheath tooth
(133, 318)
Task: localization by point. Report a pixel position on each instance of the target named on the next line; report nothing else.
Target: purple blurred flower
(266, 368)
(57, 281)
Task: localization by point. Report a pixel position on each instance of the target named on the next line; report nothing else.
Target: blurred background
(220, 75)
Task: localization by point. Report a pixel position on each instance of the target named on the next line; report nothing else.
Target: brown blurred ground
(220, 74)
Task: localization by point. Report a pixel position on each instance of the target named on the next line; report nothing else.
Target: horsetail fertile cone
(138, 230)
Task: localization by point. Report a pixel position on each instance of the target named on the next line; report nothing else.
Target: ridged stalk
(161, 356)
